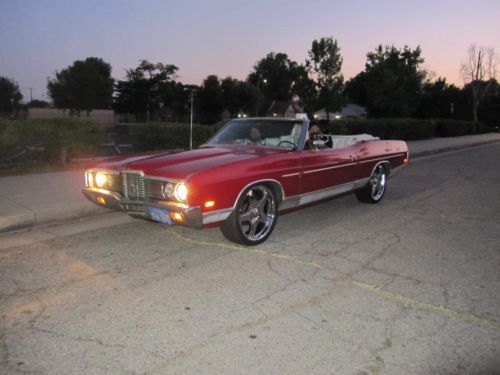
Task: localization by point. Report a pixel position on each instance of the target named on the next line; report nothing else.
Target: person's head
(314, 131)
(254, 135)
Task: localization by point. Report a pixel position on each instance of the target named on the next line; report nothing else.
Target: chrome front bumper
(159, 211)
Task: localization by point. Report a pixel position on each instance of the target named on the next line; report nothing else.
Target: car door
(326, 172)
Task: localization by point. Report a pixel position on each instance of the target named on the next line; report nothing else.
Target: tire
(254, 217)
(374, 190)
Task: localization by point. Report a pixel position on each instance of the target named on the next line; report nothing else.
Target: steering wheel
(289, 142)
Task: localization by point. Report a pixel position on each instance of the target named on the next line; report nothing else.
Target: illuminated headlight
(101, 179)
(176, 191)
(98, 179)
(181, 192)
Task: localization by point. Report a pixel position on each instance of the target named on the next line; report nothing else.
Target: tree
(149, 88)
(209, 97)
(325, 64)
(480, 65)
(439, 100)
(393, 81)
(239, 96)
(85, 85)
(10, 96)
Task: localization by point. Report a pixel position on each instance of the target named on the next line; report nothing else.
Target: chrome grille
(133, 186)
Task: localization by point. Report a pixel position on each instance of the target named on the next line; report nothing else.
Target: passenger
(255, 138)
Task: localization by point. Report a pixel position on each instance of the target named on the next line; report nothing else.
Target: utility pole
(191, 131)
(31, 94)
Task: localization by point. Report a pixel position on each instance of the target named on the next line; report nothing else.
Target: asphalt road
(409, 286)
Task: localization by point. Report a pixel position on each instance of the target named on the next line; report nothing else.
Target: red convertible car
(248, 173)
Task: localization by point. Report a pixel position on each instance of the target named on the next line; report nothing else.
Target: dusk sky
(227, 37)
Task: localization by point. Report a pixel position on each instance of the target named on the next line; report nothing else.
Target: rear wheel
(254, 217)
(374, 190)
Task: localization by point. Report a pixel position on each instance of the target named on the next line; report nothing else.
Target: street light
(191, 123)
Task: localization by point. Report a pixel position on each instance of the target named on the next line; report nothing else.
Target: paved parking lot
(409, 286)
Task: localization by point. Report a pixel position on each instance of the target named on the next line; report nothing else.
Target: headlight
(173, 191)
(181, 192)
(101, 179)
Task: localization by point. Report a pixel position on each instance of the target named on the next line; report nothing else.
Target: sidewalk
(35, 199)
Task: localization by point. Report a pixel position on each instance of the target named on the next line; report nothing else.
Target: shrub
(405, 128)
(55, 138)
(153, 136)
(454, 128)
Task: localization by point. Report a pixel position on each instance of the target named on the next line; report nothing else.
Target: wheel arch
(274, 185)
(386, 164)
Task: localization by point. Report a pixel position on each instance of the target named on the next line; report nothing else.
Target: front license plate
(157, 214)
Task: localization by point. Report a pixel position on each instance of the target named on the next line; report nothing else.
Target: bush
(154, 136)
(405, 128)
(54, 138)
(454, 128)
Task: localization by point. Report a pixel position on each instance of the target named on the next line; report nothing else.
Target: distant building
(280, 108)
(348, 111)
(102, 117)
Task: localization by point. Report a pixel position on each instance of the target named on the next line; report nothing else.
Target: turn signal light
(101, 200)
(209, 204)
(177, 216)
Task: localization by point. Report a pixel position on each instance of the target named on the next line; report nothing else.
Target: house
(281, 108)
(348, 111)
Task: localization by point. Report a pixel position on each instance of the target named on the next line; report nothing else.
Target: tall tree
(439, 100)
(148, 88)
(238, 96)
(209, 98)
(480, 65)
(325, 64)
(393, 81)
(85, 85)
(10, 96)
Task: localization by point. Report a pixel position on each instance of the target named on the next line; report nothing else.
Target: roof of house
(281, 106)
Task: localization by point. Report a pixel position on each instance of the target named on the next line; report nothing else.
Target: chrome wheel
(374, 190)
(254, 217)
(257, 213)
(378, 182)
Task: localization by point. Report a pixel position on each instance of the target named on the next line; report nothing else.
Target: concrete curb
(25, 218)
(442, 150)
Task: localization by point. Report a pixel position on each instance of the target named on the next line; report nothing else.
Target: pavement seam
(375, 289)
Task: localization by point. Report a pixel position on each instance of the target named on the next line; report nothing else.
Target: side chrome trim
(328, 168)
(384, 158)
(290, 175)
(301, 199)
(215, 216)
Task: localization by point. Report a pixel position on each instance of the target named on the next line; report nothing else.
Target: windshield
(273, 133)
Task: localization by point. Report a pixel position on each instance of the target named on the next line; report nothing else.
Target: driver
(315, 142)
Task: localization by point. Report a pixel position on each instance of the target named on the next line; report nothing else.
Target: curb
(443, 150)
(27, 218)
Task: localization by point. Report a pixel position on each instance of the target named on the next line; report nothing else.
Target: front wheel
(254, 217)
(374, 190)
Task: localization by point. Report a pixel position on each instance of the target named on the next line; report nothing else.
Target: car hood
(184, 164)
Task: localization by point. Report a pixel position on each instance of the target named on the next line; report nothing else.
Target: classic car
(252, 170)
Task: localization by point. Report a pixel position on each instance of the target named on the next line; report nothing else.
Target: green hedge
(153, 136)
(405, 128)
(54, 138)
